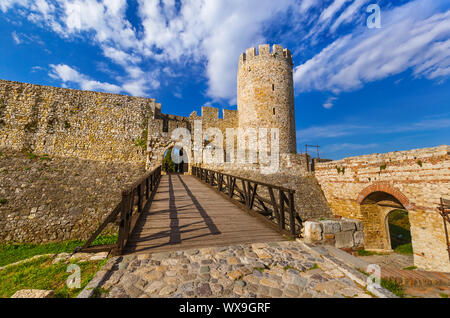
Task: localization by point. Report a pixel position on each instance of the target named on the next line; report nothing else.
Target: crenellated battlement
(264, 50)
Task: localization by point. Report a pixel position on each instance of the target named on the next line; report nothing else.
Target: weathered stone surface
(33, 293)
(347, 225)
(331, 227)
(54, 204)
(415, 179)
(235, 275)
(358, 238)
(344, 239)
(279, 276)
(313, 231)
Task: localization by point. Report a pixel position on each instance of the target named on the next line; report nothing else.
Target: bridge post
(292, 214)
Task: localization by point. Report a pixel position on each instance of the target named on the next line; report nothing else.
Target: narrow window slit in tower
(273, 87)
(274, 110)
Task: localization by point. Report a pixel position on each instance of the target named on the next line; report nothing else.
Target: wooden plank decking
(187, 214)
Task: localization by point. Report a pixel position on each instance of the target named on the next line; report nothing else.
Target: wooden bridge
(174, 212)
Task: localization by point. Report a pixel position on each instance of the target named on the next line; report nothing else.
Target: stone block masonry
(48, 199)
(369, 187)
(72, 123)
(341, 233)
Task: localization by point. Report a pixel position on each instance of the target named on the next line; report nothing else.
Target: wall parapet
(264, 50)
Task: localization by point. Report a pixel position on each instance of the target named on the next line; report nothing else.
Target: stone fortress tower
(265, 94)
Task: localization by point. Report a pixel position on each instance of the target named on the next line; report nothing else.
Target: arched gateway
(377, 202)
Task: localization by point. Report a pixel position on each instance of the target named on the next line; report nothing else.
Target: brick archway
(387, 188)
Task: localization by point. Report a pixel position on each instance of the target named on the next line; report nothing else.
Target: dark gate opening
(175, 161)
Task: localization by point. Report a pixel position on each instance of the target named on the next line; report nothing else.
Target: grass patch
(290, 267)
(16, 252)
(3, 201)
(42, 274)
(366, 253)
(405, 249)
(45, 158)
(30, 155)
(98, 292)
(315, 266)
(393, 287)
(443, 295)
(410, 268)
(399, 228)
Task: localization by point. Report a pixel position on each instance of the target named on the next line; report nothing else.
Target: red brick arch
(387, 188)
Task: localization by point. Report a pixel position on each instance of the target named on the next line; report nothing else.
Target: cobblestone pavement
(281, 269)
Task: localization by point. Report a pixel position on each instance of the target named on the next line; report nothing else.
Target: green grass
(98, 292)
(140, 142)
(45, 158)
(365, 253)
(315, 266)
(399, 230)
(410, 268)
(30, 155)
(290, 267)
(405, 249)
(393, 287)
(443, 295)
(3, 201)
(42, 274)
(368, 253)
(16, 252)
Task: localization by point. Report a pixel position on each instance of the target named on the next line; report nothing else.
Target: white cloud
(341, 130)
(212, 34)
(330, 102)
(69, 75)
(328, 131)
(332, 9)
(16, 38)
(349, 14)
(413, 36)
(5, 5)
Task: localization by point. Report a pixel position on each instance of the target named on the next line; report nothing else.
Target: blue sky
(359, 90)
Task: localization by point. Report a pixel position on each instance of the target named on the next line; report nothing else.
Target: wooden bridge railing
(247, 193)
(444, 210)
(135, 200)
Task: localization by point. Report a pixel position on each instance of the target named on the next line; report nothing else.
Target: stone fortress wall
(72, 123)
(369, 187)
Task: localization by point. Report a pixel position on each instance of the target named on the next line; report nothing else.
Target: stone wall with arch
(414, 180)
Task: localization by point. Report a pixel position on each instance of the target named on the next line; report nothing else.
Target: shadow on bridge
(187, 214)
